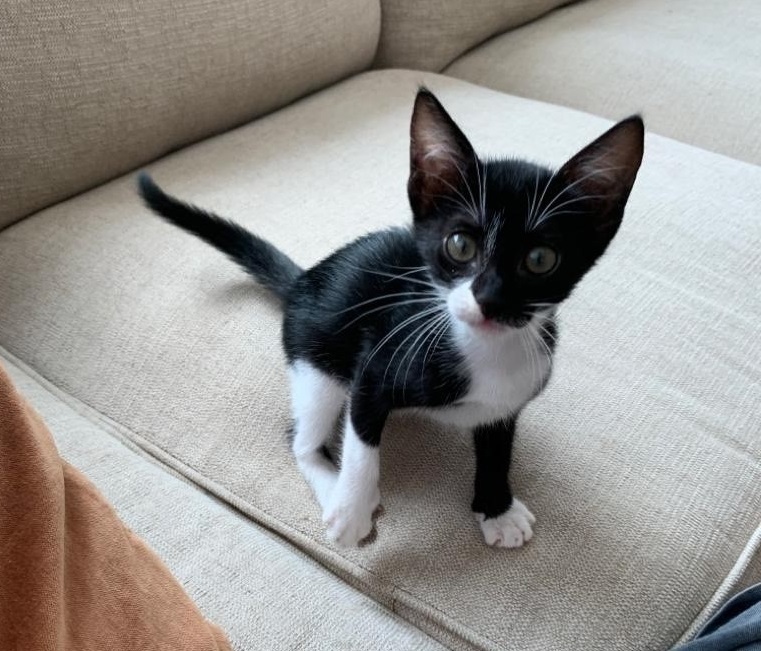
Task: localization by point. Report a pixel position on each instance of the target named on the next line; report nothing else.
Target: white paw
(350, 521)
(511, 529)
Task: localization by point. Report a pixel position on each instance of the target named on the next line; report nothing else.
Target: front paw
(511, 529)
(350, 521)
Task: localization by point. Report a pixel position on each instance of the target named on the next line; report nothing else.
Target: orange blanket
(72, 577)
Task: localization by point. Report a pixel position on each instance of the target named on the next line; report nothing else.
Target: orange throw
(72, 577)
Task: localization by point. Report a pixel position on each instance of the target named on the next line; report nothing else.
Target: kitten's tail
(270, 266)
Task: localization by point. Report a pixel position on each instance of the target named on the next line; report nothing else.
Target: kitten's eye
(461, 247)
(541, 260)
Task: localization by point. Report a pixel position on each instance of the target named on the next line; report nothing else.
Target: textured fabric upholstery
(692, 67)
(265, 594)
(641, 460)
(89, 90)
(429, 34)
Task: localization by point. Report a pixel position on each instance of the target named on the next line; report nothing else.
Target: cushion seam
(726, 587)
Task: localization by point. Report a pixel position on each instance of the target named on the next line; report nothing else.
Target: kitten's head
(506, 239)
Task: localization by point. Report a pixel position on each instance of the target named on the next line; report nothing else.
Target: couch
(156, 363)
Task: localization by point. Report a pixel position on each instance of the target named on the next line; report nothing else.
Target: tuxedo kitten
(453, 315)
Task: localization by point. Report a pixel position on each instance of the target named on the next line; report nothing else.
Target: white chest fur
(506, 369)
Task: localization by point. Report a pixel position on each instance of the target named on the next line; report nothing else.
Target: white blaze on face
(462, 304)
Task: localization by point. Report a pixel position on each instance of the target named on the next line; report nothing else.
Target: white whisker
(547, 214)
(473, 212)
(534, 198)
(541, 199)
(397, 328)
(467, 185)
(382, 297)
(543, 343)
(403, 277)
(411, 301)
(595, 172)
(399, 347)
(414, 349)
(444, 325)
(481, 188)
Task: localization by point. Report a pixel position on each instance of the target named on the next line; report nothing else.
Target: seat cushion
(89, 90)
(641, 459)
(692, 67)
(261, 591)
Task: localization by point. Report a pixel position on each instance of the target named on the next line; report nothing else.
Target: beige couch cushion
(693, 67)
(429, 34)
(89, 90)
(641, 460)
(261, 591)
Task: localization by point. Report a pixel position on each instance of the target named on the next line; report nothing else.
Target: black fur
(271, 267)
(339, 313)
(493, 444)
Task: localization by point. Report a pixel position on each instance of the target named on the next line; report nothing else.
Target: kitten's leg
(505, 520)
(317, 399)
(357, 495)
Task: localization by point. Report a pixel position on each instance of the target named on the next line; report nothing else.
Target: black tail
(270, 266)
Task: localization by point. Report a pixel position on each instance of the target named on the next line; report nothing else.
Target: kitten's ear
(441, 158)
(605, 170)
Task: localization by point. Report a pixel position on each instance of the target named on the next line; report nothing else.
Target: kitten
(454, 315)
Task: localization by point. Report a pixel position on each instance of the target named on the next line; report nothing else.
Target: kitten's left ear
(604, 171)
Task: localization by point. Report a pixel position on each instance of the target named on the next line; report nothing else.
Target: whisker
(411, 301)
(534, 198)
(413, 351)
(567, 188)
(457, 203)
(393, 266)
(442, 333)
(559, 208)
(444, 323)
(467, 185)
(398, 277)
(472, 211)
(544, 191)
(399, 347)
(431, 334)
(543, 343)
(397, 328)
(380, 298)
(481, 188)
(526, 341)
(412, 270)
(546, 331)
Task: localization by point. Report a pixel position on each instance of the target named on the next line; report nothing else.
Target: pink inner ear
(608, 166)
(439, 151)
(440, 155)
(434, 146)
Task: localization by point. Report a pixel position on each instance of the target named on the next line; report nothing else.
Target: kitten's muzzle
(496, 309)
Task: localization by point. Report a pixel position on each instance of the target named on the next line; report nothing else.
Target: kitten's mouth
(489, 325)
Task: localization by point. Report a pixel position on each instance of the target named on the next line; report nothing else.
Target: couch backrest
(92, 89)
(430, 34)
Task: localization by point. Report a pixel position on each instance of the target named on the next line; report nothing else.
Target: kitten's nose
(489, 298)
(490, 307)
(490, 303)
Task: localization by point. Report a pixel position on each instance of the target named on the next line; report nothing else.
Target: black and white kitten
(454, 315)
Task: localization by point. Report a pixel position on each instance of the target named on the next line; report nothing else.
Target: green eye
(460, 247)
(541, 260)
